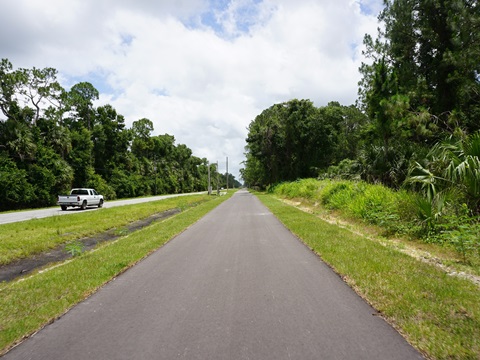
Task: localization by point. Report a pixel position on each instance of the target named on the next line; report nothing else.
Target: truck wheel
(84, 205)
(63, 207)
(100, 204)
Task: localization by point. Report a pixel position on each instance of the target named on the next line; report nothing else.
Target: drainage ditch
(25, 266)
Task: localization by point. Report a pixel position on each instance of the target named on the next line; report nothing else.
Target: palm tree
(22, 144)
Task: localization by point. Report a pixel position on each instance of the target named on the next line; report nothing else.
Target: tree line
(52, 139)
(416, 123)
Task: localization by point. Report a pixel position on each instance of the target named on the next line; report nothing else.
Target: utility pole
(218, 174)
(209, 186)
(227, 174)
(155, 169)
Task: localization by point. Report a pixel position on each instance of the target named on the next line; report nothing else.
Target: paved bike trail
(236, 285)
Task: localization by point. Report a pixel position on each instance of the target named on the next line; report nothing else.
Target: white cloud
(200, 72)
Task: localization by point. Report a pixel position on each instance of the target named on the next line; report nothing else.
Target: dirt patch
(22, 267)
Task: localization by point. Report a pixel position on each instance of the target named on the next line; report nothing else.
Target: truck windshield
(79, 192)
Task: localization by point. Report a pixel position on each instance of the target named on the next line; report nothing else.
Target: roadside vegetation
(399, 213)
(28, 304)
(437, 313)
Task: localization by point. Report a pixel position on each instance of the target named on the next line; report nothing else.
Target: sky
(200, 70)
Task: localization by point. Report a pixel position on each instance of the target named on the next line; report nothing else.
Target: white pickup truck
(80, 198)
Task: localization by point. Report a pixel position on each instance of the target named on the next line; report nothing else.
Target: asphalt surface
(17, 216)
(236, 285)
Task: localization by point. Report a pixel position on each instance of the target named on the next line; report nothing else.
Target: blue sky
(221, 15)
(200, 70)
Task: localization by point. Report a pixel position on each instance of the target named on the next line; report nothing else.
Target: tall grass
(397, 212)
(307, 189)
(376, 204)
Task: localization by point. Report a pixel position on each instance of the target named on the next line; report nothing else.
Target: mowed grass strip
(437, 313)
(26, 306)
(26, 238)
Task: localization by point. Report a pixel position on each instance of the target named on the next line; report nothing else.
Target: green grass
(26, 306)
(437, 313)
(26, 238)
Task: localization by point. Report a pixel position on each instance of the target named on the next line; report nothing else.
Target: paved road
(42, 213)
(236, 285)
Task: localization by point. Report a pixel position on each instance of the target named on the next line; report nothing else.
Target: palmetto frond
(451, 166)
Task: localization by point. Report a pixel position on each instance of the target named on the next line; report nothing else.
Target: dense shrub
(307, 189)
